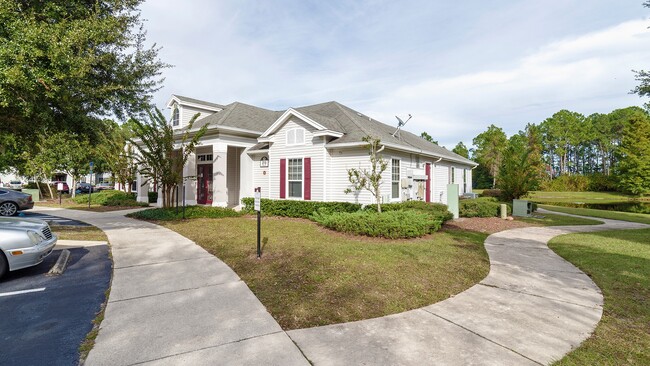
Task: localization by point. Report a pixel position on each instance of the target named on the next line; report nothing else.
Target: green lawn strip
(309, 276)
(78, 233)
(557, 220)
(619, 263)
(583, 197)
(190, 212)
(604, 214)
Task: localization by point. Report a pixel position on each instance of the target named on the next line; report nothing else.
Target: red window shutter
(427, 170)
(283, 178)
(307, 194)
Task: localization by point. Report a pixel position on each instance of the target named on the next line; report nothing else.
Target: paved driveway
(45, 319)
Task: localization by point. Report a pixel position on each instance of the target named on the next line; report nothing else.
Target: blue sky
(457, 67)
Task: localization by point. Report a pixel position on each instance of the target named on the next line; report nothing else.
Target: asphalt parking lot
(44, 319)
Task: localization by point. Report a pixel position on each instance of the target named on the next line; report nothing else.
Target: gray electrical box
(522, 208)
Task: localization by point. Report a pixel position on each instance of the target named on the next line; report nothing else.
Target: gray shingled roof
(196, 101)
(240, 115)
(356, 126)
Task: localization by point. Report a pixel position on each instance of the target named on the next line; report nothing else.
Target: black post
(59, 198)
(183, 200)
(90, 191)
(258, 191)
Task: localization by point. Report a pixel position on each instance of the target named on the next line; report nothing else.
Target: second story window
(175, 117)
(296, 136)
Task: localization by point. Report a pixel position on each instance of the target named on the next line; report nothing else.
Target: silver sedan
(24, 243)
(13, 201)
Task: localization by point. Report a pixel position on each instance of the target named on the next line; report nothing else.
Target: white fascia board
(253, 152)
(285, 116)
(264, 139)
(328, 133)
(345, 144)
(174, 98)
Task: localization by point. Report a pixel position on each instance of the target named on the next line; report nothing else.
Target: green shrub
(301, 209)
(153, 197)
(566, 183)
(191, 212)
(491, 193)
(481, 207)
(109, 198)
(435, 210)
(390, 224)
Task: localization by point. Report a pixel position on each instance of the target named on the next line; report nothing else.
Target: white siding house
(304, 154)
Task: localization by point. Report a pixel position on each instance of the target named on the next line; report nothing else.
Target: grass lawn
(557, 220)
(309, 276)
(619, 263)
(68, 203)
(78, 233)
(582, 197)
(615, 215)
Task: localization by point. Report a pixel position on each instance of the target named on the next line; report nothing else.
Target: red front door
(204, 184)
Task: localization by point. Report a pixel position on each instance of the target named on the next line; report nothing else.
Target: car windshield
(15, 182)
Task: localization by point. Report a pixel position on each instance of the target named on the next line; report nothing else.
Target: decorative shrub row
(491, 193)
(301, 209)
(435, 210)
(391, 224)
(109, 198)
(191, 212)
(481, 207)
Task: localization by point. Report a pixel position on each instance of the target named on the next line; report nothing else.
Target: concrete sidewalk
(531, 309)
(171, 303)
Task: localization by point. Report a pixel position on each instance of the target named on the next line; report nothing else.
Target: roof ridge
(347, 113)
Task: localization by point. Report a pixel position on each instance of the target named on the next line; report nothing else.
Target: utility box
(452, 199)
(36, 195)
(522, 208)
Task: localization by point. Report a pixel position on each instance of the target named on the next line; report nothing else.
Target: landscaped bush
(491, 193)
(109, 198)
(191, 212)
(153, 197)
(301, 209)
(481, 207)
(390, 224)
(436, 210)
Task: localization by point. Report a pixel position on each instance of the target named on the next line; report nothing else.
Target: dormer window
(175, 117)
(296, 136)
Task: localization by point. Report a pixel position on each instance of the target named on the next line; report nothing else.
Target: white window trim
(399, 181)
(286, 183)
(304, 136)
(452, 175)
(174, 109)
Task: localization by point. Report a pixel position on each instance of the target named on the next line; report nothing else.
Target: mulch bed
(489, 225)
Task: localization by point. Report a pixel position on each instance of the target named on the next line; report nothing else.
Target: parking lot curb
(59, 267)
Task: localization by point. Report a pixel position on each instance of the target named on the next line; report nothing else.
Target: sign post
(258, 208)
(90, 188)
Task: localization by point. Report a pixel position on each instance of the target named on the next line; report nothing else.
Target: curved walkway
(172, 303)
(531, 309)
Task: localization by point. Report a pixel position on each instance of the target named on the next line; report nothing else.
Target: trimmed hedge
(300, 209)
(491, 193)
(391, 224)
(109, 198)
(191, 212)
(481, 207)
(436, 210)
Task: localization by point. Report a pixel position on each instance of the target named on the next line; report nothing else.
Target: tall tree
(633, 169)
(428, 137)
(65, 63)
(489, 150)
(161, 154)
(516, 175)
(643, 77)
(461, 150)
(70, 153)
(118, 155)
(369, 180)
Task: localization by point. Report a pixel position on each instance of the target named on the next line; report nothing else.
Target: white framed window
(296, 136)
(204, 158)
(294, 178)
(452, 175)
(394, 178)
(175, 116)
(464, 181)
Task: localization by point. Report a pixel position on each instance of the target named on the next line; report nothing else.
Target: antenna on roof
(401, 123)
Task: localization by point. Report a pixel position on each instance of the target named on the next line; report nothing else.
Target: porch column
(142, 190)
(219, 175)
(189, 170)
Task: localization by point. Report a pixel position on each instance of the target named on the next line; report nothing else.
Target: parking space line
(21, 292)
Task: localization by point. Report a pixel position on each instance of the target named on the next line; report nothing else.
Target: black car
(84, 187)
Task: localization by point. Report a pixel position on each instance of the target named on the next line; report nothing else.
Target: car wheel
(8, 209)
(3, 265)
